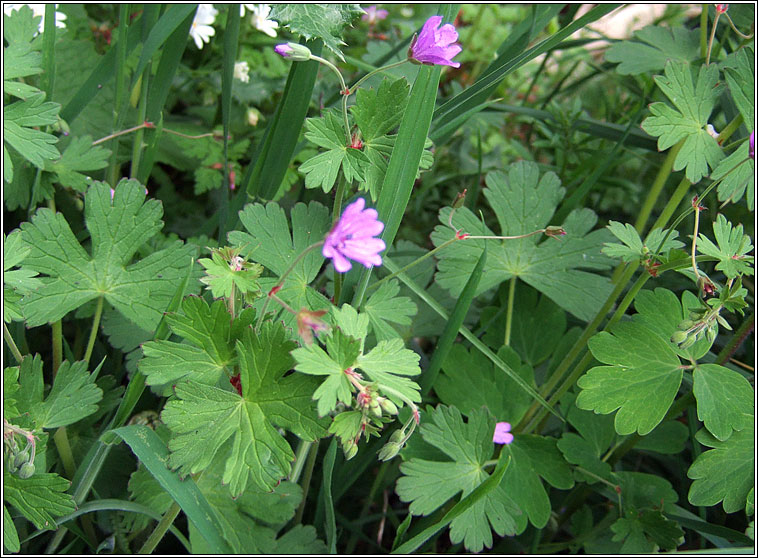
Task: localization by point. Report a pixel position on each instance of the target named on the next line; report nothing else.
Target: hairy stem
(95, 326)
(11, 344)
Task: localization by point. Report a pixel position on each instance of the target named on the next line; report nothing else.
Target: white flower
(253, 116)
(201, 30)
(241, 70)
(39, 10)
(260, 19)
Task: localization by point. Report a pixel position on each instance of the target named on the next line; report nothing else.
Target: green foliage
(269, 242)
(16, 282)
(739, 68)
(204, 417)
(118, 228)
(523, 203)
(72, 397)
(384, 307)
(79, 155)
(724, 400)
(725, 473)
(694, 103)
(222, 275)
(641, 382)
(40, 498)
(317, 21)
(732, 250)
(651, 47)
(19, 119)
(633, 249)
(427, 485)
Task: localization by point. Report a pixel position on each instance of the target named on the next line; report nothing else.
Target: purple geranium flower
(353, 237)
(751, 145)
(503, 433)
(435, 46)
(373, 14)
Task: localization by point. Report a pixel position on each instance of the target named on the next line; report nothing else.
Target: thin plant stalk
(336, 210)
(300, 456)
(308, 476)
(655, 190)
(12, 344)
(95, 326)
(161, 529)
(509, 314)
(57, 345)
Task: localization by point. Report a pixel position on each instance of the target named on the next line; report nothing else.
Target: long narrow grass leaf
(452, 326)
(504, 65)
(326, 494)
(153, 454)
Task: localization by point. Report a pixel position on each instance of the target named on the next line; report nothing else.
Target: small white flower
(253, 116)
(241, 70)
(712, 131)
(39, 10)
(201, 30)
(260, 19)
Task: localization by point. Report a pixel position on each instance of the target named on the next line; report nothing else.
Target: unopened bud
(554, 231)
(390, 450)
(685, 324)
(460, 198)
(294, 51)
(21, 458)
(350, 451)
(375, 409)
(397, 435)
(679, 337)
(26, 470)
(388, 406)
(688, 342)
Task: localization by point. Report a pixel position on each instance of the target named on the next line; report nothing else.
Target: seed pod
(350, 452)
(390, 450)
(397, 435)
(26, 470)
(679, 337)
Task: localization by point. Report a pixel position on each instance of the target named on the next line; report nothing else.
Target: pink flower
(503, 433)
(353, 237)
(372, 15)
(751, 145)
(435, 46)
(722, 8)
(309, 322)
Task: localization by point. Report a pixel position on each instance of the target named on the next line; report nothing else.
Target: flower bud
(685, 324)
(350, 451)
(375, 409)
(388, 406)
(554, 231)
(294, 51)
(688, 342)
(460, 199)
(20, 458)
(390, 450)
(26, 470)
(397, 435)
(679, 337)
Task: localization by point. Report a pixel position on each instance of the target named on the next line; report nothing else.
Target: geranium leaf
(694, 103)
(39, 498)
(379, 111)
(732, 250)
(643, 377)
(633, 249)
(204, 418)
(726, 472)
(427, 485)
(724, 399)
(141, 291)
(384, 307)
(651, 47)
(524, 202)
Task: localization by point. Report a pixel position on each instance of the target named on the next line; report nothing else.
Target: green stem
(161, 529)
(509, 315)
(118, 105)
(309, 466)
(95, 326)
(710, 40)
(730, 128)
(57, 334)
(358, 83)
(282, 279)
(672, 204)
(336, 210)
(655, 190)
(64, 451)
(302, 453)
(138, 143)
(344, 91)
(11, 344)
(704, 30)
(582, 365)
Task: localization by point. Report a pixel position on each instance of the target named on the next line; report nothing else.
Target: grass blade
(452, 326)
(479, 492)
(153, 454)
(403, 164)
(326, 493)
(473, 339)
(279, 142)
(506, 63)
